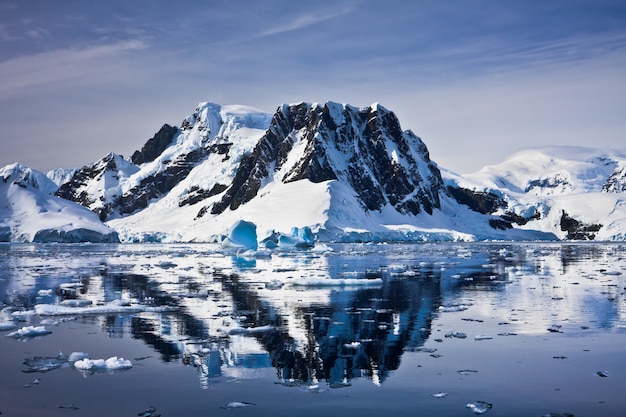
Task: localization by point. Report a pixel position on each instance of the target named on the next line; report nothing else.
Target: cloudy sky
(476, 80)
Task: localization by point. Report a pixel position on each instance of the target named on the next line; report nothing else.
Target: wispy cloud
(63, 64)
(302, 22)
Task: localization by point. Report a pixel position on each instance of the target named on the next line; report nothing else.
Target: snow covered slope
(29, 213)
(347, 173)
(344, 172)
(573, 192)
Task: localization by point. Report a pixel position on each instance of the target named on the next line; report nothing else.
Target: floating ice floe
(4, 326)
(482, 337)
(299, 238)
(115, 306)
(111, 364)
(603, 374)
(237, 404)
(479, 407)
(453, 308)
(77, 356)
(454, 333)
(250, 330)
(29, 331)
(23, 315)
(440, 394)
(332, 282)
(76, 303)
(44, 364)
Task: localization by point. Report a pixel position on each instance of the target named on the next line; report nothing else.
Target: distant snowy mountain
(30, 213)
(574, 192)
(337, 172)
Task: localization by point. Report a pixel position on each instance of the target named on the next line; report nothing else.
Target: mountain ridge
(348, 173)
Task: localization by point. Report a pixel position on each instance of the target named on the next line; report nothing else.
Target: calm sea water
(518, 329)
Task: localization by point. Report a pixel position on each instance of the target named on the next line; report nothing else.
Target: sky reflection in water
(442, 322)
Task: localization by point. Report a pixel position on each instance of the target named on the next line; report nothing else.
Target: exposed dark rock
(616, 183)
(500, 224)
(156, 145)
(197, 194)
(76, 188)
(383, 164)
(157, 185)
(482, 202)
(577, 230)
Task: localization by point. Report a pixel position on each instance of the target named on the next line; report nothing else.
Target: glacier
(312, 172)
(30, 213)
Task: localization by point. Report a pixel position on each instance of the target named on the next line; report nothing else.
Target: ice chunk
(603, 374)
(29, 331)
(115, 306)
(113, 363)
(4, 326)
(482, 337)
(149, 412)
(77, 356)
(237, 404)
(69, 406)
(299, 238)
(479, 407)
(44, 364)
(76, 303)
(440, 394)
(242, 235)
(454, 333)
(454, 307)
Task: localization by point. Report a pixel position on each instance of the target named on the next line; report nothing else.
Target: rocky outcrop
(364, 148)
(156, 145)
(577, 230)
(616, 183)
(97, 186)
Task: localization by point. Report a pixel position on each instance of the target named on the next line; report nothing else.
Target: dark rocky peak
(156, 145)
(364, 147)
(96, 186)
(616, 183)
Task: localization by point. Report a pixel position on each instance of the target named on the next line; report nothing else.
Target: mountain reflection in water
(219, 312)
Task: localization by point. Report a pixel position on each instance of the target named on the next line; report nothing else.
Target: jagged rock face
(161, 182)
(480, 201)
(156, 145)
(577, 230)
(616, 183)
(365, 148)
(96, 186)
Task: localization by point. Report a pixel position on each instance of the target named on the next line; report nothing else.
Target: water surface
(350, 329)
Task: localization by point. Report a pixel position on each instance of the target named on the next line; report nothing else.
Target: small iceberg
(44, 363)
(237, 404)
(299, 238)
(112, 364)
(479, 407)
(4, 326)
(29, 331)
(242, 236)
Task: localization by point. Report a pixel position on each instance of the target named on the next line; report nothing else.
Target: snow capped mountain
(30, 213)
(336, 172)
(574, 192)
